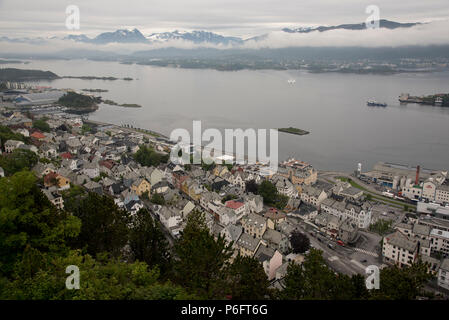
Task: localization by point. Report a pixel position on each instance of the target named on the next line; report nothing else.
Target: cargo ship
(373, 103)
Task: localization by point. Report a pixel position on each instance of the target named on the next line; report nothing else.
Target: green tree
(157, 198)
(104, 225)
(18, 160)
(148, 242)
(247, 279)
(28, 218)
(268, 191)
(7, 134)
(402, 283)
(42, 125)
(299, 241)
(146, 156)
(201, 262)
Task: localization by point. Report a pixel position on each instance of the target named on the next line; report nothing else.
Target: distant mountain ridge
(197, 36)
(386, 24)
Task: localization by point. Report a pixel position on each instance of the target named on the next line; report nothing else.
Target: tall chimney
(417, 175)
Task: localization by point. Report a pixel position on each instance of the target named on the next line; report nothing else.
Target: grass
(397, 204)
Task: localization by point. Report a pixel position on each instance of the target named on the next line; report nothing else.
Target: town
(391, 215)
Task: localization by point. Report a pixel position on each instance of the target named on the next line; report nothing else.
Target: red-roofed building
(107, 163)
(37, 135)
(237, 206)
(66, 155)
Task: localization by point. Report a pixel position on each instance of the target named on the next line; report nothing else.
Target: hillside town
(341, 214)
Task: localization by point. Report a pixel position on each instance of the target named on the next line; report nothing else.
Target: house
(312, 195)
(399, 249)
(274, 218)
(284, 186)
(247, 245)
(443, 274)
(348, 232)
(55, 179)
(238, 207)
(129, 195)
(170, 217)
(37, 135)
(134, 206)
(254, 225)
(11, 145)
(360, 214)
(253, 202)
(160, 187)
(276, 240)
(55, 197)
(91, 169)
(93, 186)
(141, 186)
(231, 233)
(189, 206)
(271, 260)
(49, 150)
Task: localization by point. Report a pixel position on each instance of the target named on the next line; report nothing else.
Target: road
(345, 260)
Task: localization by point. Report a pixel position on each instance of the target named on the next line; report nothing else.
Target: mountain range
(197, 36)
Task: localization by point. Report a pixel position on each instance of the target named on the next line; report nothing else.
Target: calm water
(344, 131)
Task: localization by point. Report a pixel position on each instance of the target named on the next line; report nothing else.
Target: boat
(291, 81)
(373, 103)
(439, 101)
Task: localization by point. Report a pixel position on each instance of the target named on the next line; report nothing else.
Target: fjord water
(332, 106)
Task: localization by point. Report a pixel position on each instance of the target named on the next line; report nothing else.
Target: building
(248, 245)
(360, 214)
(254, 225)
(36, 99)
(12, 145)
(140, 186)
(313, 196)
(443, 275)
(399, 249)
(54, 197)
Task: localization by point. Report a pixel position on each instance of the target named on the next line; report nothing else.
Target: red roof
(37, 135)
(107, 163)
(49, 178)
(66, 155)
(233, 204)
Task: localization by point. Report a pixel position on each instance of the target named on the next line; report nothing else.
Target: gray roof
(421, 229)
(402, 241)
(255, 220)
(445, 265)
(264, 253)
(248, 242)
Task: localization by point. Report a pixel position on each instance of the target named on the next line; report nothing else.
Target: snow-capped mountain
(194, 36)
(120, 36)
(387, 24)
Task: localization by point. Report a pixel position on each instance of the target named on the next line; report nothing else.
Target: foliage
(271, 196)
(75, 100)
(42, 125)
(252, 187)
(201, 261)
(146, 156)
(157, 198)
(228, 197)
(147, 241)
(28, 218)
(7, 134)
(299, 241)
(104, 225)
(247, 279)
(101, 279)
(18, 160)
(381, 227)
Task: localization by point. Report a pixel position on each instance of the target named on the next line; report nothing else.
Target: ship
(439, 101)
(291, 81)
(372, 103)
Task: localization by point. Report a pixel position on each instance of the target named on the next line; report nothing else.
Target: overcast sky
(244, 18)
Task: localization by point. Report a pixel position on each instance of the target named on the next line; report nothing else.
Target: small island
(292, 130)
(125, 105)
(95, 90)
(79, 103)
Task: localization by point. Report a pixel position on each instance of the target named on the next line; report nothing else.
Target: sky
(243, 18)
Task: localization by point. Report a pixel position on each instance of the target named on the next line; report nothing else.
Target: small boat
(291, 81)
(373, 103)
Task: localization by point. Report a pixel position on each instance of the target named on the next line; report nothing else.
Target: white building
(443, 274)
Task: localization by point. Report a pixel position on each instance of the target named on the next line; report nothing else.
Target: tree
(146, 156)
(42, 125)
(247, 279)
(201, 262)
(147, 241)
(18, 160)
(7, 134)
(310, 280)
(104, 225)
(251, 187)
(157, 198)
(402, 283)
(268, 191)
(28, 218)
(299, 241)
(104, 278)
